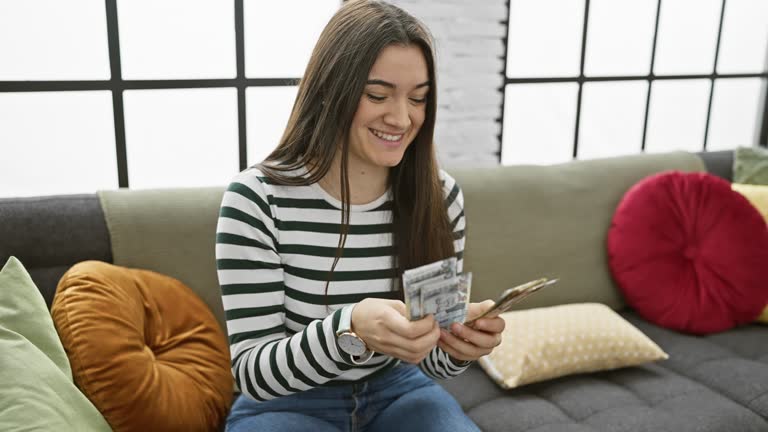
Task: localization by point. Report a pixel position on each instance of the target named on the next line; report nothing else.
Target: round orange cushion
(144, 348)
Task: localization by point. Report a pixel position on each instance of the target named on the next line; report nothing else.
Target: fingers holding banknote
(470, 343)
(384, 328)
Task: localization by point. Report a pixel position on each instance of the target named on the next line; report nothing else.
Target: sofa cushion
(763, 318)
(719, 163)
(50, 234)
(37, 391)
(733, 363)
(689, 253)
(526, 222)
(750, 165)
(717, 383)
(144, 348)
(170, 231)
(758, 196)
(545, 343)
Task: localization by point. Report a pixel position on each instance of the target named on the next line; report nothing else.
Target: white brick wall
(470, 60)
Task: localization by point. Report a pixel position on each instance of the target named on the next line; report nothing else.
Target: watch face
(352, 345)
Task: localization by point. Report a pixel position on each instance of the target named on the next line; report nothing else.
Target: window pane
(56, 143)
(612, 117)
(279, 38)
(181, 138)
(268, 112)
(687, 37)
(177, 39)
(620, 37)
(736, 115)
(539, 121)
(544, 38)
(744, 42)
(38, 40)
(677, 116)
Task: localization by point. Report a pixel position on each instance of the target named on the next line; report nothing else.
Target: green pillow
(750, 166)
(37, 392)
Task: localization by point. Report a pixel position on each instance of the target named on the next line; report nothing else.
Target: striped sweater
(274, 247)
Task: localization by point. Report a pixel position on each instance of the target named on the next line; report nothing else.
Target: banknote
(512, 296)
(444, 269)
(447, 299)
(416, 278)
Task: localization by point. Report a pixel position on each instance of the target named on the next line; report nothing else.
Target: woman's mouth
(389, 140)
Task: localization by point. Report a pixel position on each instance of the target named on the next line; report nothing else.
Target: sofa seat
(715, 383)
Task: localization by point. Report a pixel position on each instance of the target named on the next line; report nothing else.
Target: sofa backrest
(170, 231)
(523, 222)
(526, 222)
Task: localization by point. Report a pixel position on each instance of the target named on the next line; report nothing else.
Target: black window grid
(116, 84)
(650, 77)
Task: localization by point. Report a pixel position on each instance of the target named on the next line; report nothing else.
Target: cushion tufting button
(691, 252)
(150, 353)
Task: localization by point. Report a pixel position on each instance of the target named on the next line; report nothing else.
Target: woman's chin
(390, 161)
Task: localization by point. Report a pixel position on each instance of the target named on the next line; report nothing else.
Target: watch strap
(363, 359)
(345, 320)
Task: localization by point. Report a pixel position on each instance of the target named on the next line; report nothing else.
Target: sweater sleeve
(267, 362)
(438, 364)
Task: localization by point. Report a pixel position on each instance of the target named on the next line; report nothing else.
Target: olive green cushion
(750, 166)
(523, 222)
(526, 222)
(169, 231)
(37, 391)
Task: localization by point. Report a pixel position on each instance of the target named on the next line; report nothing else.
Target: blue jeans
(402, 399)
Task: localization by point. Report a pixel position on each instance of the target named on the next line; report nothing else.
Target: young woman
(312, 242)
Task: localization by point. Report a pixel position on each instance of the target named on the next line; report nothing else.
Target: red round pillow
(689, 253)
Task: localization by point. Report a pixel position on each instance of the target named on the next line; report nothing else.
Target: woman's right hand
(383, 326)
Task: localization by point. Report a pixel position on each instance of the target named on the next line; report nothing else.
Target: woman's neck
(366, 183)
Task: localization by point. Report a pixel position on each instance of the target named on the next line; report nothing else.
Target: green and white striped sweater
(274, 247)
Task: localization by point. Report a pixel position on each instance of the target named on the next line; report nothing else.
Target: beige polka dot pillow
(544, 343)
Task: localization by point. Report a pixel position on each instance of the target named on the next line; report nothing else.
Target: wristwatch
(351, 343)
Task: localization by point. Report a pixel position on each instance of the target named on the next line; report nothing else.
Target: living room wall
(143, 94)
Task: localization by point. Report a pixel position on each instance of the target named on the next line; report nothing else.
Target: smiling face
(391, 110)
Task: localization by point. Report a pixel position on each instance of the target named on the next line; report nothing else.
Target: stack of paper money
(437, 289)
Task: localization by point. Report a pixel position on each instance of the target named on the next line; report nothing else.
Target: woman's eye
(419, 100)
(376, 98)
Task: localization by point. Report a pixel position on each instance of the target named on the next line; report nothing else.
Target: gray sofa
(522, 222)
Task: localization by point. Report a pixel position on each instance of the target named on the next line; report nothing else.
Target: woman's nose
(398, 116)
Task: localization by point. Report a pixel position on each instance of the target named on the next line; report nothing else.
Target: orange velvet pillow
(144, 348)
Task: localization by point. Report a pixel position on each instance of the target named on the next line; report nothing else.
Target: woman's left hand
(470, 343)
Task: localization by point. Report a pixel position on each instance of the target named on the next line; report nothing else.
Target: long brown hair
(325, 105)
